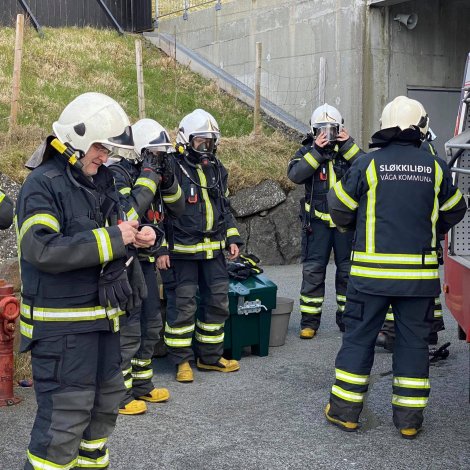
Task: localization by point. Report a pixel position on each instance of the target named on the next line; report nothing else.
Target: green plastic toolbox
(249, 324)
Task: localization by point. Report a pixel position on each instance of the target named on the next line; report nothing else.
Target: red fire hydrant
(9, 311)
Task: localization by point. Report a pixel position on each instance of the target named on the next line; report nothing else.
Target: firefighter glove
(113, 285)
(138, 286)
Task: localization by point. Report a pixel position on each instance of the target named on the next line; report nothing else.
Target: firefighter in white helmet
(148, 191)
(194, 261)
(76, 282)
(326, 155)
(398, 200)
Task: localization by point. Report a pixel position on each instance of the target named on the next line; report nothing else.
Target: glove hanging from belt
(113, 286)
(244, 266)
(122, 283)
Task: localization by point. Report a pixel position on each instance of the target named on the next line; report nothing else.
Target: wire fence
(173, 8)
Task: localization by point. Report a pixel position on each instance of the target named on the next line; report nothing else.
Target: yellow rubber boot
(157, 395)
(184, 373)
(307, 333)
(222, 365)
(409, 433)
(347, 426)
(135, 407)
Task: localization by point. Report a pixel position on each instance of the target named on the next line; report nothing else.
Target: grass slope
(68, 62)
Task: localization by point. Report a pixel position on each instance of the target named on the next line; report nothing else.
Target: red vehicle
(457, 254)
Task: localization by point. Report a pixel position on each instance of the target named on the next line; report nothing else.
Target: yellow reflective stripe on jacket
(310, 159)
(38, 219)
(180, 330)
(389, 316)
(344, 197)
(206, 199)
(371, 175)
(435, 210)
(178, 342)
(26, 329)
(452, 201)
(209, 326)
(25, 310)
(125, 190)
(340, 298)
(43, 464)
(73, 314)
(2, 196)
(347, 395)
(351, 378)
(320, 215)
(209, 339)
(170, 198)
(103, 241)
(351, 152)
(233, 232)
(96, 444)
(207, 246)
(331, 174)
(411, 382)
(409, 402)
(393, 258)
(148, 183)
(132, 214)
(385, 273)
(100, 462)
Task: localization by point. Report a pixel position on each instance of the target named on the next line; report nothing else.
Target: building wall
(368, 58)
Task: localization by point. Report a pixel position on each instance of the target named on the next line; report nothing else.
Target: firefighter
(398, 199)
(76, 281)
(145, 181)
(326, 155)
(195, 263)
(6, 211)
(386, 336)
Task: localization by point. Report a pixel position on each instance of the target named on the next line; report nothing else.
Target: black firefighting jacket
(6, 211)
(206, 226)
(319, 170)
(399, 199)
(142, 197)
(66, 228)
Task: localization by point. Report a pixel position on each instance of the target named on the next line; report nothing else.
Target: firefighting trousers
(139, 336)
(317, 243)
(78, 384)
(363, 318)
(186, 283)
(388, 328)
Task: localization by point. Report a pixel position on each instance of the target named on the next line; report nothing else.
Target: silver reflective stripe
(43, 464)
(93, 445)
(178, 342)
(209, 339)
(347, 395)
(170, 198)
(410, 402)
(103, 241)
(351, 378)
(148, 183)
(209, 326)
(100, 462)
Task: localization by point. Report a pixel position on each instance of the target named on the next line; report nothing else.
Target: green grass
(68, 62)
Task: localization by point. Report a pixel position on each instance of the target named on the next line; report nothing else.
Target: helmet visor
(331, 130)
(124, 140)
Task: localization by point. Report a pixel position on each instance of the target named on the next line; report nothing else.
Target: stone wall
(268, 221)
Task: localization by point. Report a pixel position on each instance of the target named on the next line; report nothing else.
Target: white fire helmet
(202, 124)
(405, 113)
(326, 119)
(94, 118)
(149, 134)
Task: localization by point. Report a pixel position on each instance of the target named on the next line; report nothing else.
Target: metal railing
(173, 8)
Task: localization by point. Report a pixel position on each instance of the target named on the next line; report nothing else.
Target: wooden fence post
(15, 93)
(257, 110)
(140, 78)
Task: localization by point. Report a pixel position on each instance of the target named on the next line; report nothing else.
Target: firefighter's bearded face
(96, 156)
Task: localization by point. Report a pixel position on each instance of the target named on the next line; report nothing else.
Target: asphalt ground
(269, 415)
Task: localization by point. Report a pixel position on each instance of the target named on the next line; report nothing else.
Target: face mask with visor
(203, 145)
(330, 129)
